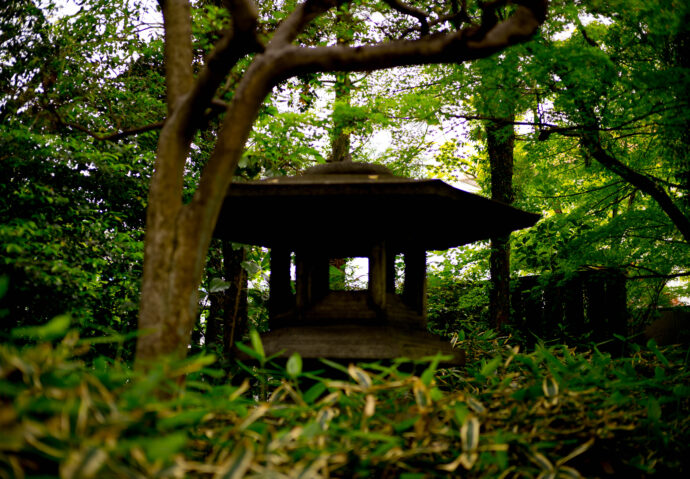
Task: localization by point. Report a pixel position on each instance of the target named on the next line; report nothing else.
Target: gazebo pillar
(378, 274)
(311, 278)
(414, 289)
(281, 299)
(390, 271)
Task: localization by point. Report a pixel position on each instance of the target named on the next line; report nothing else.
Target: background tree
(72, 209)
(624, 113)
(602, 104)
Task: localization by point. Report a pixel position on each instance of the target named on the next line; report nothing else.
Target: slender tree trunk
(500, 140)
(340, 141)
(235, 304)
(227, 315)
(213, 334)
(340, 144)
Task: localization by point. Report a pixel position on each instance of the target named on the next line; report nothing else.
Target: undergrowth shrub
(553, 412)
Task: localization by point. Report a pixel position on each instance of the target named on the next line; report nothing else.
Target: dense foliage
(545, 413)
(72, 213)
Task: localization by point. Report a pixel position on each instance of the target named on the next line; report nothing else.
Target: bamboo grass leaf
(360, 376)
(469, 434)
(237, 465)
(83, 463)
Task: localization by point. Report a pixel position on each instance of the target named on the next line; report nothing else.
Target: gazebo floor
(358, 343)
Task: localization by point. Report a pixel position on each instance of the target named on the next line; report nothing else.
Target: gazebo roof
(347, 206)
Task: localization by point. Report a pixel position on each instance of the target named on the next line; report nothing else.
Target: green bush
(548, 413)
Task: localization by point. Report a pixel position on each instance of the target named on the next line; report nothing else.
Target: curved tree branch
(178, 49)
(164, 251)
(112, 136)
(415, 12)
(592, 144)
(299, 18)
(238, 41)
(460, 46)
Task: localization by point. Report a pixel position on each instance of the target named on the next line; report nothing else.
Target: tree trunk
(213, 332)
(340, 140)
(235, 304)
(500, 140)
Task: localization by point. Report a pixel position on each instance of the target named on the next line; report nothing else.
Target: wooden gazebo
(343, 210)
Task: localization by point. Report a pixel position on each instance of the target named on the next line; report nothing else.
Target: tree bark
(340, 141)
(500, 141)
(340, 144)
(235, 304)
(213, 332)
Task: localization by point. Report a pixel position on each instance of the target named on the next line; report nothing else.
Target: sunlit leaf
(581, 449)
(237, 465)
(294, 365)
(53, 329)
(469, 434)
(369, 405)
(217, 285)
(258, 346)
(360, 376)
(421, 395)
(83, 463)
(550, 387)
(542, 461)
(475, 405)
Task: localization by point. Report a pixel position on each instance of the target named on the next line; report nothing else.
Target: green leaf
(405, 424)
(184, 418)
(4, 285)
(251, 267)
(249, 351)
(255, 339)
(334, 365)
(653, 409)
(294, 365)
(491, 366)
(461, 412)
(217, 285)
(53, 329)
(651, 344)
(314, 392)
(164, 447)
(428, 375)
